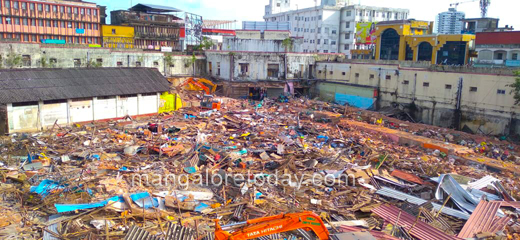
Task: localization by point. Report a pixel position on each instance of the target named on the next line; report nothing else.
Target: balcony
(157, 36)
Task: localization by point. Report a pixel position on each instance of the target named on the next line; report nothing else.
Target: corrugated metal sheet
(137, 233)
(461, 197)
(407, 177)
(376, 234)
(511, 204)
(262, 26)
(499, 224)
(482, 183)
(392, 193)
(28, 85)
(51, 228)
(420, 230)
(481, 220)
(174, 232)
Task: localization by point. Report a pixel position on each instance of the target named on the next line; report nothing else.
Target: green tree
(287, 44)
(516, 88)
(13, 60)
(43, 62)
(168, 62)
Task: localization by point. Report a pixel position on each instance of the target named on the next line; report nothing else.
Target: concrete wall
(35, 116)
(48, 56)
(484, 109)
(277, 35)
(258, 64)
(248, 34)
(259, 45)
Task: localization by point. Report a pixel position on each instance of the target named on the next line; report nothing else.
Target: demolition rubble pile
(359, 172)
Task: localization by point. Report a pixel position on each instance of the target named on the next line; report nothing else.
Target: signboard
(365, 33)
(150, 47)
(80, 31)
(419, 24)
(53, 41)
(193, 28)
(94, 45)
(166, 49)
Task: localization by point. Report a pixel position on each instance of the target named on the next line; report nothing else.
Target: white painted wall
(53, 112)
(38, 116)
(23, 118)
(148, 104)
(127, 106)
(81, 111)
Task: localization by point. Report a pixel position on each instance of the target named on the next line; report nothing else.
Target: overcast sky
(253, 10)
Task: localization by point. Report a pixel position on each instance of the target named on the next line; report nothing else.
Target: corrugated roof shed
(28, 85)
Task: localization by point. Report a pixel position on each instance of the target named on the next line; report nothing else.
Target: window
(26, 60)
(82, 11)
(347, 47)
(40, 23)
(347, 35)
(319, 30)
(473, 89)
(372, 76)
(326, 30)
(95, 26)
(33, 37)
(69, 24)
(47, 23)
(62, 24)
(325, 51)
(514, 56)
(388, 77)
(325, 41)
(69, 10)
(7, 20)
(24, 22)
(406, 82)
(99, 62)
(333, 31)
(15, 4)
(319, 17)
(332, 42)
(447, 86)
(26, 38)
(349, 13)
(500, 55)
(88, 11)
(62, 9)
(119, 64)
(53, 60)
(24, 5)
(75, 10)
(501, 91)
(138, 64)
(244, 69)
(331, 72)
(347, 25)
(272, 70)
(218, 68)
(7, 4)
(357, 75)
(77, 62)
(95, 12)
(47, 8)
(425, 84)
(17, 21)
(344, 73)
(55, 23)
(40, 7)
(54, 8)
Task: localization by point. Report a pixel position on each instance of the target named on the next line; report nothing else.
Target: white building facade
(450, 22)
(331, 26)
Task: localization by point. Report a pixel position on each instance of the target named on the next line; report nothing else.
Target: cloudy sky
(253, 10)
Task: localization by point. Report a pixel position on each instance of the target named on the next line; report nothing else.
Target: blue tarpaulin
(46, 187)
(73, 207)
(355, 101)
(144, 199)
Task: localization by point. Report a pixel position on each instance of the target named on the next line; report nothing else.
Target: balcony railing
(157, 35)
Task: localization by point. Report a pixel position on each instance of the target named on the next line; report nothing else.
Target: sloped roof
(28, 85)
(153, 8)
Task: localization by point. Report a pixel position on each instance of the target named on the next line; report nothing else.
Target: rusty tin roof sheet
(481, 220)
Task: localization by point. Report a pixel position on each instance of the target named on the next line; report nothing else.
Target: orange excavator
(255, 228)
(199, 85)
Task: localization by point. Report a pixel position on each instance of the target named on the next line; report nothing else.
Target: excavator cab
(208, 103)
(304, 223)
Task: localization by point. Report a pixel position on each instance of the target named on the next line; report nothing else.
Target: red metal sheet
(499, 224)
(481, 219)
(511, 204)
(377, 234)
(512, 37)
(420, 230)
(407, 177)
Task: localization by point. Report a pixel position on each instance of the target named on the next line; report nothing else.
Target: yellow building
(410, 40)
(118, 36)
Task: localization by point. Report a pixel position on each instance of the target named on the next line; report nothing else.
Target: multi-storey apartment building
(449, 22)
(329, 27)
(154, 28)
(43, 20)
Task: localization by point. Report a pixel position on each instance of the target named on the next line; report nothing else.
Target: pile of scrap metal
(172, 176)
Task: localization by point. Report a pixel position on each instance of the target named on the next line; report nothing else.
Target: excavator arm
(259, 227)
(208, 82)
(196, 86)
